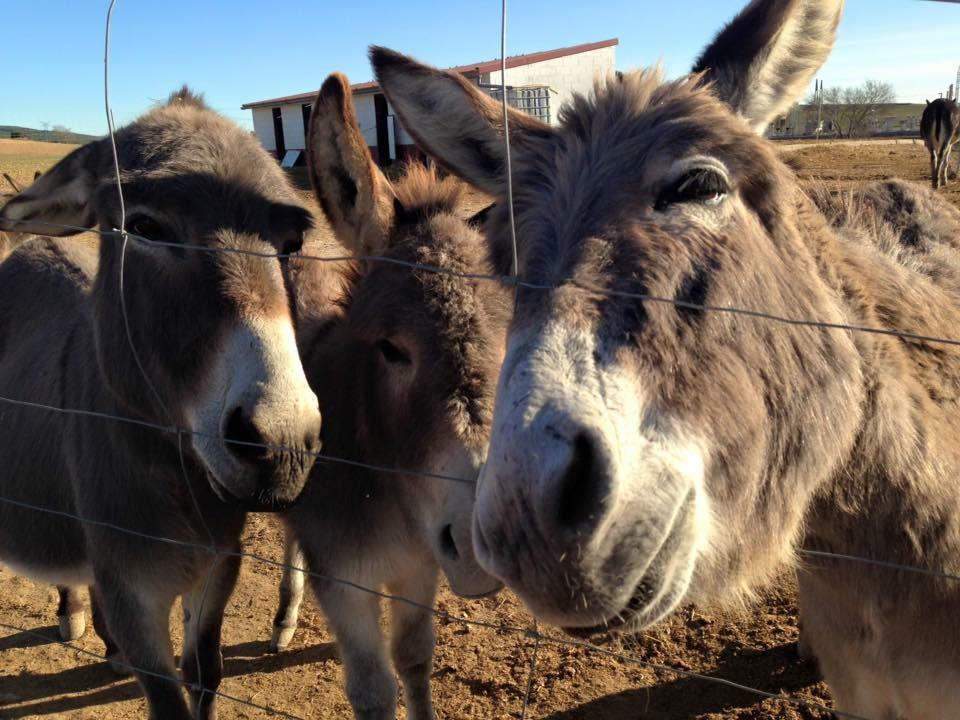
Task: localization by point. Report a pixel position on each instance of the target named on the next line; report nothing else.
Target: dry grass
(21, 158)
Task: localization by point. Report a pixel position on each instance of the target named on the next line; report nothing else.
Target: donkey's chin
(662, 585)
(653, 599)
(263, 502)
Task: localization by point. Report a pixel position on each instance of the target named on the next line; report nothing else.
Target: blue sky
(241, 50)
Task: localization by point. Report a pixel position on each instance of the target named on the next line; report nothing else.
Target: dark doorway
(278, 133)
(383, 130)
(305, 109)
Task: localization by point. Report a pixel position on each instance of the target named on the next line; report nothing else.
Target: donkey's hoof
(72, 626)
(281, 638)
(118, 665)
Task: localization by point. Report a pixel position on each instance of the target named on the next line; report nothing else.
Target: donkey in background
(940, 130)
(406, 361)
(645, 453)
(214, 334)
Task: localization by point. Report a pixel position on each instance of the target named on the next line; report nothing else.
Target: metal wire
(151, 673)
(279, 448)
(516, 282)
(379, 468)
(531, 675)
(515, 267)
(111, 130)
(532, 633)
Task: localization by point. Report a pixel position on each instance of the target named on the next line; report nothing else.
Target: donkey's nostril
(448, 545)
(583, 487)
(243, 439)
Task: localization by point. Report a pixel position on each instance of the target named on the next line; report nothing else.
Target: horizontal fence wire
(160, 676)
(528, 632)
(512, 281)
(380, 469)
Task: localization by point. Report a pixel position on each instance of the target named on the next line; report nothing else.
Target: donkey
(940, 130)
(71, 620)
(200, 340)
(647, 450)
(408, 365)
(6, 242)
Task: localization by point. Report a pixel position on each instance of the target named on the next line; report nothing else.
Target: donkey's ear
(763, 60)
(354, 194)
(61, 196)
(453, 121)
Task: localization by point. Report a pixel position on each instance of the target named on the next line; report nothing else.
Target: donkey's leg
(138, 621)
(291, 595)
(113, 654)
(941, 157)
(354, 617)
(202, 662)
(945, 161)
(934, 169)
(70, 615)
(413, 638)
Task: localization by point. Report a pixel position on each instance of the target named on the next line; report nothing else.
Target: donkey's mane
(422, 192)
(186, 96)
(622, 97)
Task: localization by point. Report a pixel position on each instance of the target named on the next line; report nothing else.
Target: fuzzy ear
(452, 120)
(764, 59)
(354, 194)
(61, 196)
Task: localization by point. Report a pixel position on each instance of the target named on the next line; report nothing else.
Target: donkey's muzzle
(276, 461)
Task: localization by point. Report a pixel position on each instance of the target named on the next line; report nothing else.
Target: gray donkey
(407, 362)
(940, 130)
(213, 332)
(648, 449)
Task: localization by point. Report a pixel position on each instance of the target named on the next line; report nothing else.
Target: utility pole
(818, 96)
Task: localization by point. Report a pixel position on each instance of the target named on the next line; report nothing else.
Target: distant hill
(56, 136)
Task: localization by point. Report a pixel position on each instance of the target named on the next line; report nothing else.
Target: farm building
(886, 119)
(538, 83)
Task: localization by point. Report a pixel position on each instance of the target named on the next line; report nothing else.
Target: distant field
(20, 158)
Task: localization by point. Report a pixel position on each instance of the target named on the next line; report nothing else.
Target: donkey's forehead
(640, 124)
(195, 140)
(441, 294)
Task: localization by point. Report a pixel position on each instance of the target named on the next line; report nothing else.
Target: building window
(278, 133)
(305, 109)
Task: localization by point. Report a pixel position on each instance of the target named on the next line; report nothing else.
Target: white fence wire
(532, 633)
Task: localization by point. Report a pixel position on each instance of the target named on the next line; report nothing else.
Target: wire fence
(531, 632)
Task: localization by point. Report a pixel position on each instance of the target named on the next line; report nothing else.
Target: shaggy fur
(406, 361)
(838, 440)
(189, 176)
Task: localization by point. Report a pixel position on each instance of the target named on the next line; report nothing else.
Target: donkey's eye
(700, 185)
(147, 227)
(392, 354)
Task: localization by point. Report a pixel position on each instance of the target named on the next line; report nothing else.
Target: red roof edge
(482, 67)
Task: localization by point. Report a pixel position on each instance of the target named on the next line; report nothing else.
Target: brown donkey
(940, 130)
(647, 451)
(407, 364)
(213, 330)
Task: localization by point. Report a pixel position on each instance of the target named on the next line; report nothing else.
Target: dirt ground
(479, 673)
